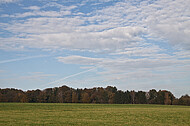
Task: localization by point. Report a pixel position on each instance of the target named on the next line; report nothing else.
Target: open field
(92, 114)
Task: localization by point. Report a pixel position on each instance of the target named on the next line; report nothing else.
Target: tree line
(108, 95)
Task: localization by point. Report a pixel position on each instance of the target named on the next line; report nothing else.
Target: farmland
(92, 114)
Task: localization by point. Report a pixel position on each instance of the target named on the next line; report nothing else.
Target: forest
(108, 95)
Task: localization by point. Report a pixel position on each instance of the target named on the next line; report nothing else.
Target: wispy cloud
(32, 8)
(67, 77)
(111, 27)
(20, 59)
(37, 76)
(122, 68)
(8, 1)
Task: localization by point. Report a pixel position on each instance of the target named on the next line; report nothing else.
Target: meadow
(61, 114)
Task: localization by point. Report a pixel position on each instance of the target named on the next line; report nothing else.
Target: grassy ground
(92, 114)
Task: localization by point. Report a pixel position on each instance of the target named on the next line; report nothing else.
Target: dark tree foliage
(184, 100)
(140, 97)
(33, 96)
(160, 97)
(122, 97)
(151, 96)
(108, 95)
(12, 95)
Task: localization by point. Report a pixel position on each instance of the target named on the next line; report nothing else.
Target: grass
(93, 114)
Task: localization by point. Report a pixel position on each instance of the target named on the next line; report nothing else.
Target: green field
(93, 114)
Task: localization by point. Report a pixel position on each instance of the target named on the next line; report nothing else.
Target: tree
(85, 97)
(111, 97)
(68, 96)
(33, 95)
(20, 97)
(111, 89)
(119, 97)
(111, 93)
(132, 93)
(140, 98)
(172, 98)
(102, 96)
(1, 96)
(152, 96)
(160, 97)
(184, 100)
(127, 97)
(62, 94)
(74, 97)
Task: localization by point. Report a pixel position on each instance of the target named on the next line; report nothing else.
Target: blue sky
(130, 44)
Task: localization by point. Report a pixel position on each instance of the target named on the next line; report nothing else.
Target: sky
(130, 44)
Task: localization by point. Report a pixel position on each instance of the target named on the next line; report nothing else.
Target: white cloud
(182, 54)
(32, 8)
(59, 33)
(20, 59)
(60, 6)
(112, 27)
(171, 22)
(117, 65)
(152, 51)
(37, 76)
(168, 20)
(80, 60)
(8, 1)
(39, 13)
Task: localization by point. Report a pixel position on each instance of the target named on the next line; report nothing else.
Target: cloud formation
(8, 1)
(118, 65)
(112, 27)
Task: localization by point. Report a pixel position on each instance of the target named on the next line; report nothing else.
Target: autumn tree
(111, 93)
(85, 97)
(74, 97)
(184, 100)
(1, 96)
(101, 95)
(68, 96)
(33, 95)
(62, 93)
